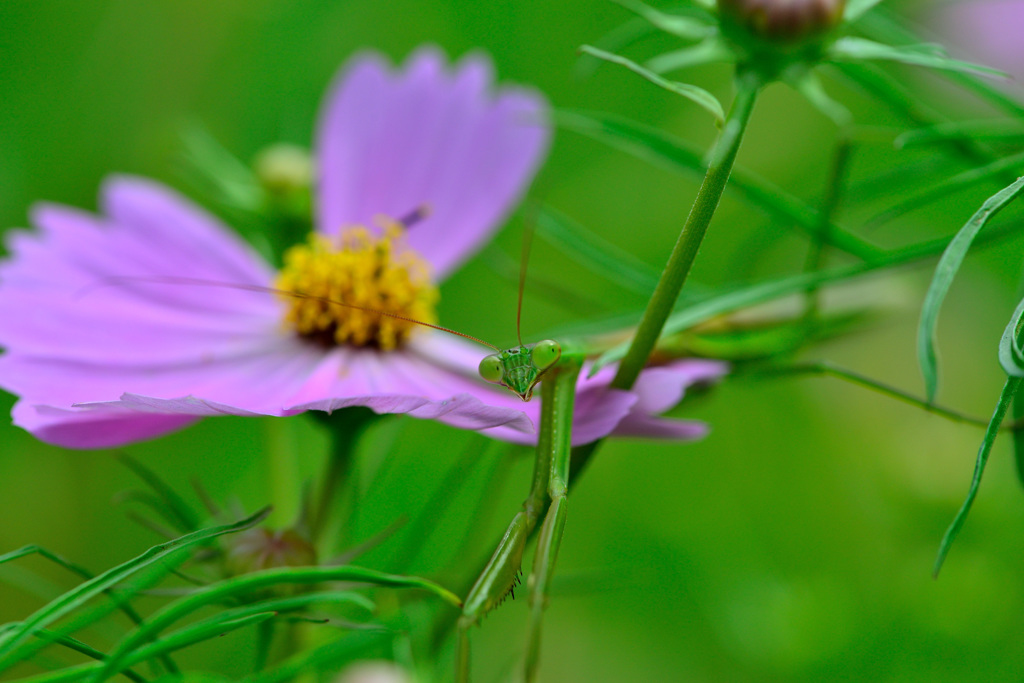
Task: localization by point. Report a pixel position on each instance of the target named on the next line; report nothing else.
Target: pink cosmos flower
(99, 366)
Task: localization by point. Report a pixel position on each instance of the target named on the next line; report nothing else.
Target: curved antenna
(198, 282)
(529, 227)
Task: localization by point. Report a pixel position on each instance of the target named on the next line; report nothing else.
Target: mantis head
(521, 368)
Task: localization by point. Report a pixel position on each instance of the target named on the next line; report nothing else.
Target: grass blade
(945, 271)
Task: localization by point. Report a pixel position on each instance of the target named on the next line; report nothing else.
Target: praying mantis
(555, 367)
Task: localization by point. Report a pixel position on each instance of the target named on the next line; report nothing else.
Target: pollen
(338, 289)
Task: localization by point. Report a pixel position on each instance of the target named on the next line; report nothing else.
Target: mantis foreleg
(548, 490)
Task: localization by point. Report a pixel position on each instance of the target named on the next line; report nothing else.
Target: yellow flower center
(344, 283)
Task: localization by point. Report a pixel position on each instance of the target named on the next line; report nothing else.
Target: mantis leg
(558, 395)
(501, 575)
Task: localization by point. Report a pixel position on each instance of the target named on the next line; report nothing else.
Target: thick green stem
(685, 251)
(346, 426)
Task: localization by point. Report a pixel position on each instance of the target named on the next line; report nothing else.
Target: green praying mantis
(555, 367)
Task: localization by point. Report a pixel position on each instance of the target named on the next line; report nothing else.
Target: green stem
(685, 251)
(346, 426)
(285, 485)
(827, 369)
(822, 236)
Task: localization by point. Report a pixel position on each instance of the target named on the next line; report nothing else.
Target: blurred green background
(793, 544)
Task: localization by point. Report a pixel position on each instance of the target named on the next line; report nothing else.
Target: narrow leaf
(689, 313)
(119, 602)
(1009, 391)
(987, 129)
(78, 596)
(687, 28)
(187, 518)
(810, 86)
(596, 254)
(1018, 436)
(942, 189)
(708, 51)
(659, 147)
(851, 48)
(246, 584)
(1011, 357)
(855, 8)
(695, 94)
(945, 272)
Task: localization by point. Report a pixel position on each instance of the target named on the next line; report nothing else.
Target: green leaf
(596, 254)
(886, 27)
(78, 596)
(119, 602)
(659, 147)
(1007, 395)
(851, 48)
(616, 40)
(809, 85)
(685, 27)
(708, 51)
(331, 656)
(944, 188)
(695, 94)
(986, 129)
(741, 297)
(217, 171)
(87, 650)
(689, 313)
(945, 271)
(247, 584)
(187, 519)
(1011, 357)
(1018, 436)
(856, 8)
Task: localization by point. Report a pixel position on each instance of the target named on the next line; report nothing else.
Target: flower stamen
(369, 273)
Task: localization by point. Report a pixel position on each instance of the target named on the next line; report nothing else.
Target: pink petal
(650, 427)
(82, 337)
(93, 429)
(662, 388)
(412, 382)
(389, 142)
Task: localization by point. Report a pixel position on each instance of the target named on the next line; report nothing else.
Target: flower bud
(257, 549)
(784, 20)
(284, 170)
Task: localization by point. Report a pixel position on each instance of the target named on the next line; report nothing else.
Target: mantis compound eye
(545, 354)
(491, 369)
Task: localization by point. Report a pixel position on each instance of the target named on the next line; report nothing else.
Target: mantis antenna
(199, 282)
(529, 227)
